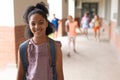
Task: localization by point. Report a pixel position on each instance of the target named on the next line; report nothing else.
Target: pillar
(12, 29)
(71, 8)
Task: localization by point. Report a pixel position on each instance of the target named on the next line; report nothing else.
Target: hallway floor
(93, 60)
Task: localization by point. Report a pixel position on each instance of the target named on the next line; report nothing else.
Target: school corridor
(94, 60)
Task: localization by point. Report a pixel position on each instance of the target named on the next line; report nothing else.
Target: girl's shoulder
(58, 43)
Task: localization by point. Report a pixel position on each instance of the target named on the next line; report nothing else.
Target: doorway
(91, 8)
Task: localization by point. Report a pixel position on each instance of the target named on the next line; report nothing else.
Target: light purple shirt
(39, 62)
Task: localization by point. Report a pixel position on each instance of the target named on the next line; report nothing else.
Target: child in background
(71, 28)
(85, 23)
(55, 22)
(97, 24)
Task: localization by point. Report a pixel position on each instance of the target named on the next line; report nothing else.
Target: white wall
(20, 7)
(101, 8)
(71, 7)
(7, 13)
(55, 7)
(114, 10)
(12, 11)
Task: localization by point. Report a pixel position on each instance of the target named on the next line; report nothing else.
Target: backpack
(23, 56)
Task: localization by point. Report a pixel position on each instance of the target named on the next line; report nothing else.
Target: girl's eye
(41, 22)
(33, 24)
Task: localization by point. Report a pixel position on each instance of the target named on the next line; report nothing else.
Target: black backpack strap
(52, 51)
(23, 56)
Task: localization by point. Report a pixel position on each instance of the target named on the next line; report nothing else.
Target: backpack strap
(23, 56)
(52, 51)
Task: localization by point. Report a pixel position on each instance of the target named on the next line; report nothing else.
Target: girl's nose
(36, 26)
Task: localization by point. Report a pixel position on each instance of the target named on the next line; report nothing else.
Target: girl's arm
(20, 72)
(59, 66)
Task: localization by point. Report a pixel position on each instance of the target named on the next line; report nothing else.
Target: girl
(38, 50)
(72, 26)
(97, 27)
(85, 23)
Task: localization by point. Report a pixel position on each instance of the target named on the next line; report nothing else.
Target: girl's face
(96, 17)
(70, 18)
(85, 14)
(38, 25)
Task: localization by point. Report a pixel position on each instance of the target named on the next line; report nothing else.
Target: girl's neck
(38, 40)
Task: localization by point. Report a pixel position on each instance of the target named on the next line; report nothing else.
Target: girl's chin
(38, 36)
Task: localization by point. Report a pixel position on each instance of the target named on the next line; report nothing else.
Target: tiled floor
(94, 60)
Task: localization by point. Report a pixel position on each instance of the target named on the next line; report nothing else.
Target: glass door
(91, 8)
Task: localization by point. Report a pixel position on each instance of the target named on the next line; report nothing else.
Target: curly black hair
(43, 11)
